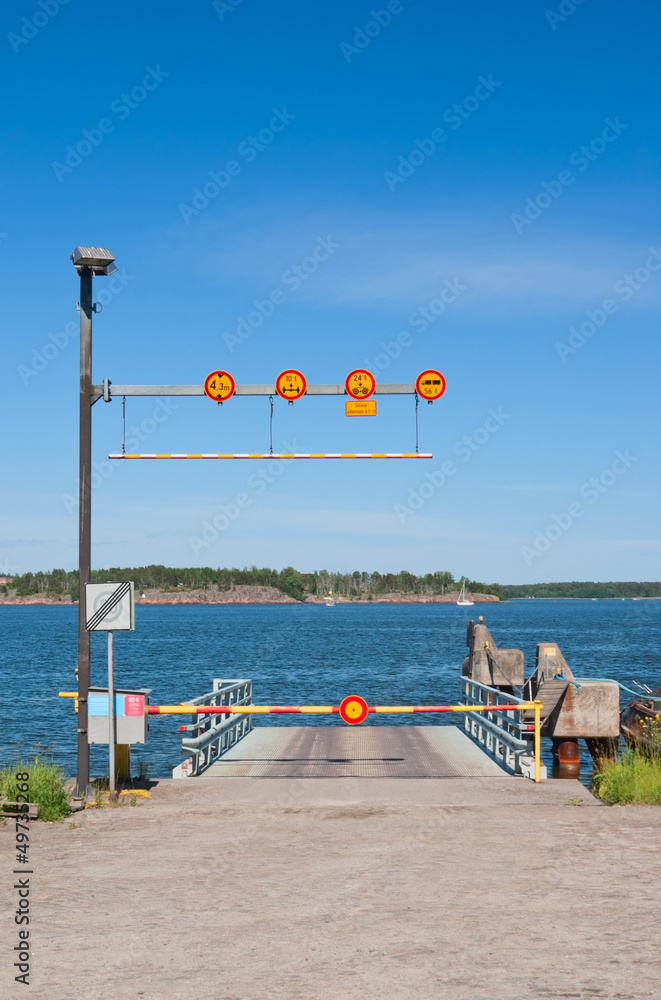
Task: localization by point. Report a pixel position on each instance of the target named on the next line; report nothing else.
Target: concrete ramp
(355, 752)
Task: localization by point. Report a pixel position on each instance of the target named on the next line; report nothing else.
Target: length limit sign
(430, 385)
(219, 386)
(290, 384)
(360, 384)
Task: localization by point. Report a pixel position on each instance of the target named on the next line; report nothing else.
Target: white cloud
(528, 488)
(391, 260)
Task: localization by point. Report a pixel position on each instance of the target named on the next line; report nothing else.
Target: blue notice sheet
(98, 704)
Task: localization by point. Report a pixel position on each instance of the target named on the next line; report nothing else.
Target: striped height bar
(266, 456)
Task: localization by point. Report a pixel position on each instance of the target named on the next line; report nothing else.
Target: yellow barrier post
(538, 739)
(122, 761)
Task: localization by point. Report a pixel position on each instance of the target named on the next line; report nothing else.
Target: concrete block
(487, 664)
(591, 711)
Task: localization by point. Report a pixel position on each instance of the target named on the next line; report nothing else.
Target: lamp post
(88, 261)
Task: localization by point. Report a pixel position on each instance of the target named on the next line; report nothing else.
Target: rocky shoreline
(250, 595)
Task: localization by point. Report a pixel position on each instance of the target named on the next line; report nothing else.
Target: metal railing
(213, 735)
(507, 734)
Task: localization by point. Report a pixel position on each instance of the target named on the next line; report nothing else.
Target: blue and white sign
(97, 704)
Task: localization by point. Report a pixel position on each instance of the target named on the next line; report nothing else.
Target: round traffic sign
(113, 614)
(353, 709)
(290, 384)
(430, 384)
(360, 384)
(219, 386)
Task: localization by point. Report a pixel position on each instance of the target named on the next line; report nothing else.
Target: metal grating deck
(355, 752)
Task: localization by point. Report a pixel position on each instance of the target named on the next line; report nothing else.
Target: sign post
(88, 261)
(110, 606)
(84, 522)
(111, 716)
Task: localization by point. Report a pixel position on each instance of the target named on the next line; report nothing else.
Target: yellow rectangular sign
(360, 408)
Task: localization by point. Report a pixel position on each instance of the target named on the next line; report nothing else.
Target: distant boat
(462, 600)
(330, 601)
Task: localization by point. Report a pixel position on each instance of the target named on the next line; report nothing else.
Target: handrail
(504, 736)
(494, 690)
(523, 744)
(212, 738)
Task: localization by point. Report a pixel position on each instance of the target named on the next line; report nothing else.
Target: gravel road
(339, 889)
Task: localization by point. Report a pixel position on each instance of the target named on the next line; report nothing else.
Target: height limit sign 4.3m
(219, 386)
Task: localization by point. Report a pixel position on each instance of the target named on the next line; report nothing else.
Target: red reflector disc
(353, 710)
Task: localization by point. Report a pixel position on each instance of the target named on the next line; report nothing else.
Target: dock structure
(504, 718)
(220, 740)
(574, 708)
(354, 752)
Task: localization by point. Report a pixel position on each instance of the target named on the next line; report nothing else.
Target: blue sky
(410, 145)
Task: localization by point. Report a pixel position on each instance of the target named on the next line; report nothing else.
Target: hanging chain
(123, 425)
(271, 427)
(417, 449)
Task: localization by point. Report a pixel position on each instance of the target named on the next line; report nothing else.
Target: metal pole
(84, 523)
(111, 717)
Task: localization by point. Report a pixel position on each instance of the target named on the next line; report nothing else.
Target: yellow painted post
(122, 761)
(538, 739)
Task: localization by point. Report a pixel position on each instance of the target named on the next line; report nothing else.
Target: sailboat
(463, 601)
(330, 600)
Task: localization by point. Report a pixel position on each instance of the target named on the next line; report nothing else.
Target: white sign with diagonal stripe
(109, 607)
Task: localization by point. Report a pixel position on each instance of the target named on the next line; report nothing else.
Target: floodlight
(99, 259)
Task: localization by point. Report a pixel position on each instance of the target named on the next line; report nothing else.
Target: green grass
(46, 785)
(634, 779)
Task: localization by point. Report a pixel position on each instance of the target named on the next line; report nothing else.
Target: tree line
(290, 581)
(575, 588)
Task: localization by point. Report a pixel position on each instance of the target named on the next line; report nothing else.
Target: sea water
(389, 654)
